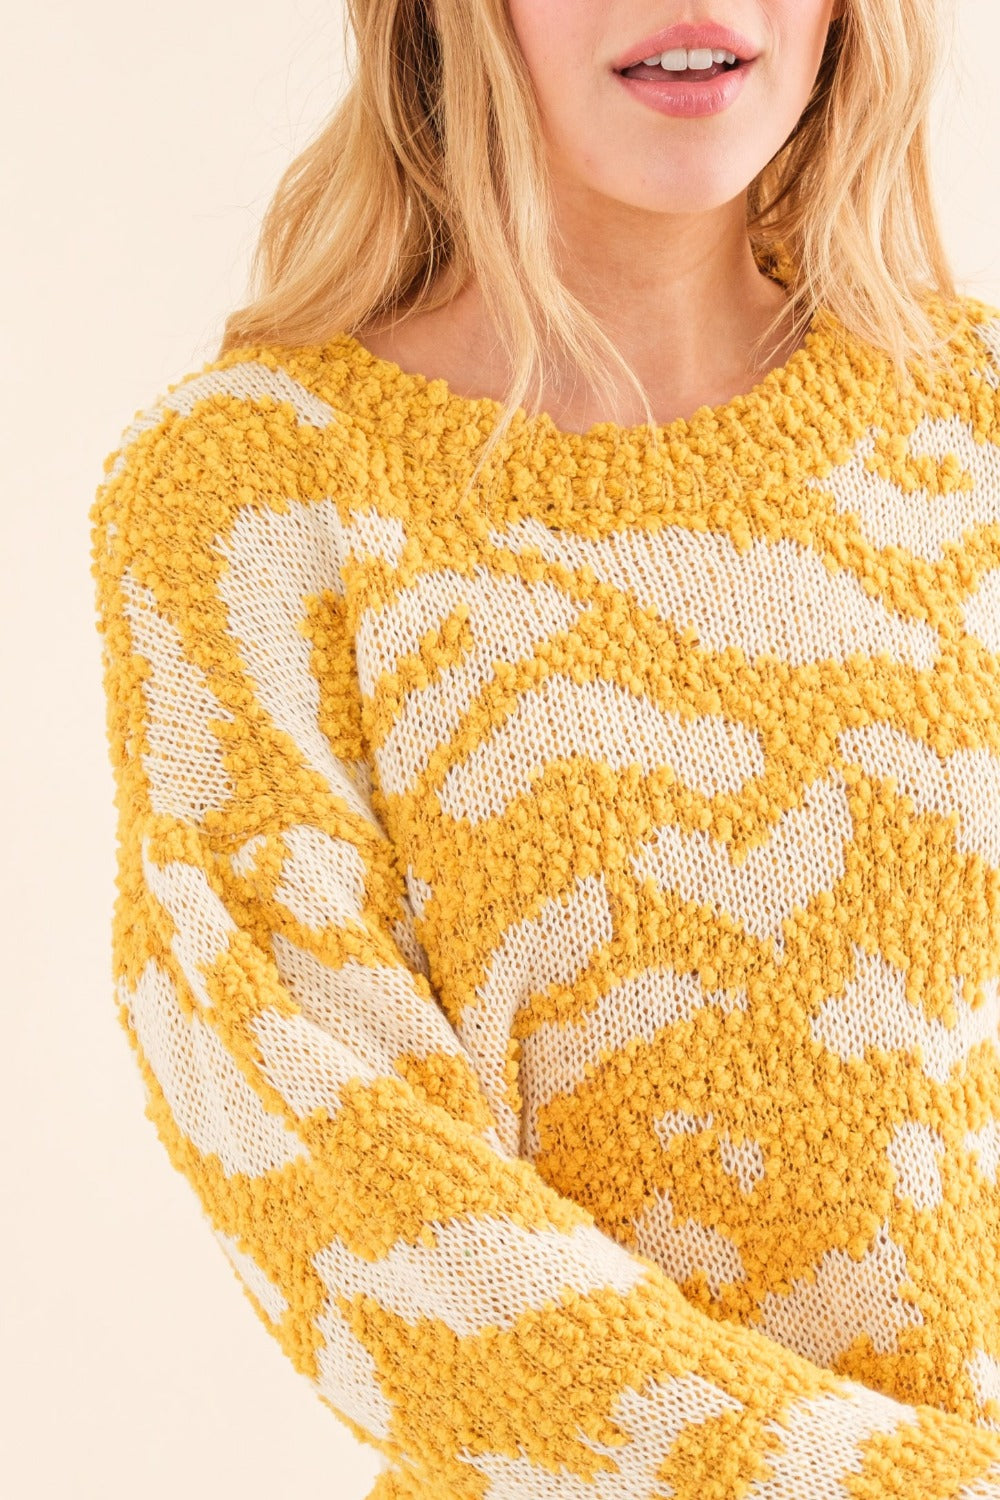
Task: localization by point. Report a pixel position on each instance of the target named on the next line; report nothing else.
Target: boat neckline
(829, 362)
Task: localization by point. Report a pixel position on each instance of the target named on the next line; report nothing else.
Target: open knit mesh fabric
(559, 928)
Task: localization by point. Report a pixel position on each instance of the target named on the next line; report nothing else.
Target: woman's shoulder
(971, 324)
(244, 401)
(979, 323)
(967, 363)
(262, 424)
(975, 308)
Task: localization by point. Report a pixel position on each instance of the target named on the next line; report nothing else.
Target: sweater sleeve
(450, 1307)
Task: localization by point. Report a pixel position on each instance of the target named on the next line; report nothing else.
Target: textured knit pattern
(559, 929)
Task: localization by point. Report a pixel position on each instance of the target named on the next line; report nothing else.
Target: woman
(559, 858)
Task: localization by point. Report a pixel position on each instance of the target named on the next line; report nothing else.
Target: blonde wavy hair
(431, 170)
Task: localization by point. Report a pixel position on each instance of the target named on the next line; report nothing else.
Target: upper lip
(689, 34)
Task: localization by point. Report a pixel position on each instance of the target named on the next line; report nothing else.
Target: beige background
(140, 146)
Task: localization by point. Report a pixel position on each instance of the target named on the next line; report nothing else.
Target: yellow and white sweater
(559, 930)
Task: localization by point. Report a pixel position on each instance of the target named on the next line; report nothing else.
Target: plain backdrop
(140, 147)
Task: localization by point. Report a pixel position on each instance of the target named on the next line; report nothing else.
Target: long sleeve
(449, 1306)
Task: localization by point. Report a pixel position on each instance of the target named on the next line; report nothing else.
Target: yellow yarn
(559, 931)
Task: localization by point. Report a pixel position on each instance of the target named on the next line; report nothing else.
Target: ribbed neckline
(802, 416)
(826, 389)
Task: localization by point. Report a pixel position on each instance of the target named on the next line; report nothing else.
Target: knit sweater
(558, 928)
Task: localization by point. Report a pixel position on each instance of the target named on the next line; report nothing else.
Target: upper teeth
(680, 58)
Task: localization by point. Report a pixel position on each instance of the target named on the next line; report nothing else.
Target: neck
(685, 305)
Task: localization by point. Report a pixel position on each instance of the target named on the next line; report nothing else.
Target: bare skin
(451, 343)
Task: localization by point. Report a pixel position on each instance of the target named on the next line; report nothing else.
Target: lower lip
(691, 96)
